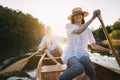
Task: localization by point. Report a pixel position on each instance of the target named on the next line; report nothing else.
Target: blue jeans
(76, 67)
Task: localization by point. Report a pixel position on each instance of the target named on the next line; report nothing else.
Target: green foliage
(116, 25)
(108, 28)
(113, 30)
(19, 31)
(115, 34)
(99, 34)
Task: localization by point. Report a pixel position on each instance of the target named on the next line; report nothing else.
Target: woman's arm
(84, 26)
(99, 48)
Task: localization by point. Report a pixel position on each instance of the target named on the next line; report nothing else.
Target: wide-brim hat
(76, 11)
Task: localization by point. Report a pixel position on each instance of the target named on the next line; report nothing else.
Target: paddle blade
(17, 66)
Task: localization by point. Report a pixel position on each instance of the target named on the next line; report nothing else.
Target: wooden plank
(107, 67)
(82, 76)
(53, 68)
(47, 58)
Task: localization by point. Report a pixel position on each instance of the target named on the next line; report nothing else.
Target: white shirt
(49, 41)
(77, 43)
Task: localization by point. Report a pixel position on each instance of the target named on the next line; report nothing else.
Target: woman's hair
(73, 21)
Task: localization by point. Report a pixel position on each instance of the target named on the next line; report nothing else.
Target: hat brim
(84, 13)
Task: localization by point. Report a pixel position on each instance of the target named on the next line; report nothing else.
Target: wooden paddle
(109, 40)
(18, 65)
(39, 67)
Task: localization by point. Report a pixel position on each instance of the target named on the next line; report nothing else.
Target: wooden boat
(48, 70)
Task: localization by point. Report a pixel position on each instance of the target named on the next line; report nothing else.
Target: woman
(49, 45)
(79, 37)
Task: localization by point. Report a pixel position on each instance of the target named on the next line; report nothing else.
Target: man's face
(48, 30)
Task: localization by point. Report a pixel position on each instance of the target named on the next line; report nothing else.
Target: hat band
(77, 12)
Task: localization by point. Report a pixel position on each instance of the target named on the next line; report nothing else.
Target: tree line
(19, 32)
(113, 30)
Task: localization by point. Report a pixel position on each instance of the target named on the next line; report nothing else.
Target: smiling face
(77, 18)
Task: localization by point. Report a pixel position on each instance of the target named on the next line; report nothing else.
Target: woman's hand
(116, 53)
(96, 13)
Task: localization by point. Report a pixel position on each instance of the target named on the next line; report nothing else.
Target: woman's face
(78, 18)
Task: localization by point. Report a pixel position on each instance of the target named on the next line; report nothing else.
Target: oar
(17, 66)
(39, 67)
(109, 40)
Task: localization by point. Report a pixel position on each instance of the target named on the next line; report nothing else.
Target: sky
(54, 12)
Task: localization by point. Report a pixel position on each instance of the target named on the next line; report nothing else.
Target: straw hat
(76, 11)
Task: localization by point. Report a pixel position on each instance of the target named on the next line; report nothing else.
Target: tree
(115, 34)
(99, 34)
(19, 31)
(116, 25)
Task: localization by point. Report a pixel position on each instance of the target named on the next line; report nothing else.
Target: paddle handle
(108, 38)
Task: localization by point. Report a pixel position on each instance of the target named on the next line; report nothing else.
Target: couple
(79, 37)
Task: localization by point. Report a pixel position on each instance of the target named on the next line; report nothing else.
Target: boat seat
(48, 61)
(47, 58)
(52, 72)
(53, 68)
(82, 76)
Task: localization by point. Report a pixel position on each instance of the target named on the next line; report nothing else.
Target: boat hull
(105, 73)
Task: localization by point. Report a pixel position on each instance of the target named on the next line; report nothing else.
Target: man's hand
(39, 50)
